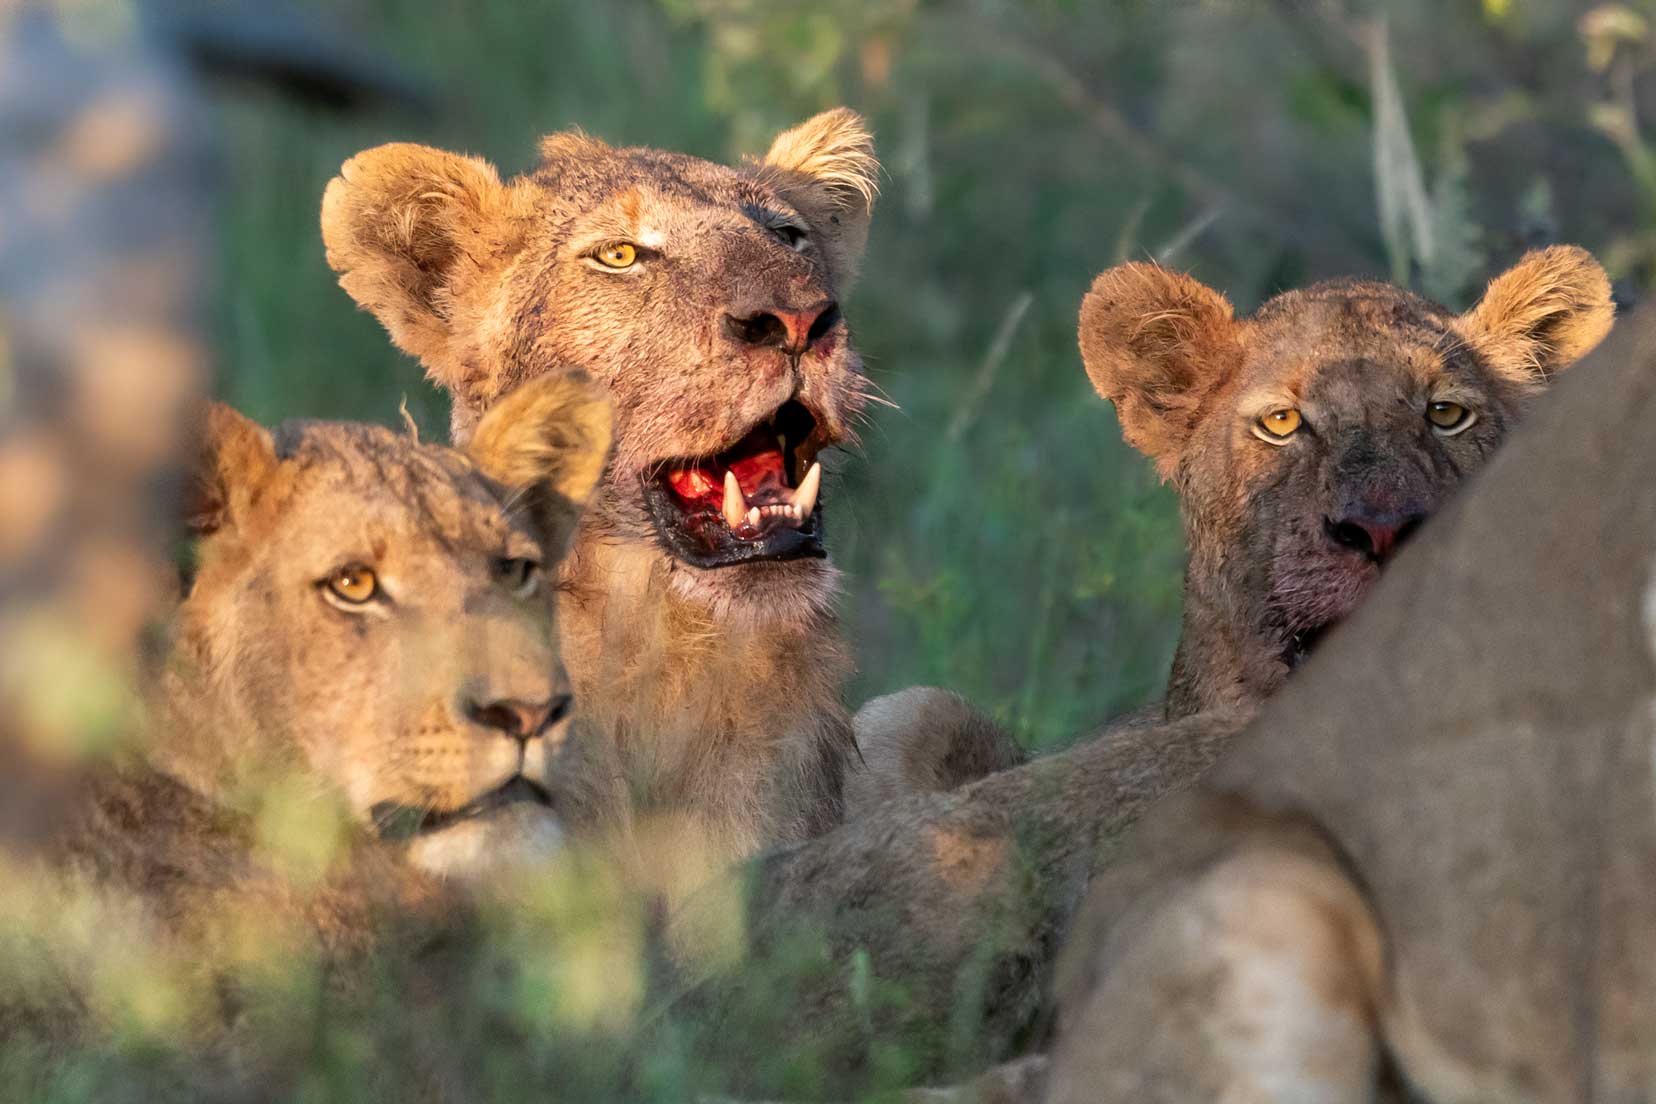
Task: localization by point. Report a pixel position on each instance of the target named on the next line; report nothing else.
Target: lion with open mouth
(696, 606)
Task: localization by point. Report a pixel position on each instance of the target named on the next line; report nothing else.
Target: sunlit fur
(719, 687)
(271, 676)
(1360, 361)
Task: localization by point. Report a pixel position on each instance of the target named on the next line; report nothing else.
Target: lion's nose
(1376, 536)
(520, 720)
(790, 330)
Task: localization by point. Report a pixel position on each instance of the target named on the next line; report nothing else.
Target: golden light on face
(1449, 418)
(617, 255)
(354, 584)
(1278, 425)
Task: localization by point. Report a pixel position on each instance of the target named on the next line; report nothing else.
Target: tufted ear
(573, 146)
(1156, 344)
(548, 440)
(1542, 315)
(234, 457)
(826, 168)
(410, 228)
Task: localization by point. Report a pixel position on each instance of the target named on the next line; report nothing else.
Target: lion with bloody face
(696, 606)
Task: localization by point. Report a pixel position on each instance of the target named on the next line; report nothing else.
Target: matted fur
(1188, 381)
(720, 688)
(1361, 361)
(1437, 848)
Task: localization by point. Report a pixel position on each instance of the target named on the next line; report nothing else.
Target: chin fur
(487, 847)
(774, 593)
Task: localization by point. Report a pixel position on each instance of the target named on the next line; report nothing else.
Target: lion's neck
(734, 721)
(1226, 659)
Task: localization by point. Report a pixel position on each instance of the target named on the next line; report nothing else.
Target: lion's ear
(1156, 343)
(826, 168)
(1543, 314)
(234, 457)
(409, 228)
(547, 440)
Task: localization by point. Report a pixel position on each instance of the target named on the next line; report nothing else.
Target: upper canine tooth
(735, 503)
(805, 497)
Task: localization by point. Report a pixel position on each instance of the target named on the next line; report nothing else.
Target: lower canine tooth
(753, 517)
(805, 497)
(735, 504)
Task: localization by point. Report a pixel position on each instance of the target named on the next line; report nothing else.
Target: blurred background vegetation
(997, 536)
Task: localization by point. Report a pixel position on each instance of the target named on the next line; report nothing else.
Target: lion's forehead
(655, 199)
(589, 181)
(367, 477)
(1355, 341)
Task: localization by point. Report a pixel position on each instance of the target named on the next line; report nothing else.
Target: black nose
(1375, 536)
(520, 720)
(793, 330)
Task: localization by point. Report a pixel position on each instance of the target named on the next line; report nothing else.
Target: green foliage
(996, 535)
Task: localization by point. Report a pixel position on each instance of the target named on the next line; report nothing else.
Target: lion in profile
(696, 604)
(369, 644)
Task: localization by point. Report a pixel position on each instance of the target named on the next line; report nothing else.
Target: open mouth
(758, 500)
(401, 822)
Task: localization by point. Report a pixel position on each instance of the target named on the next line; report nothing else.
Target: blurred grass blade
(966, 413)
(1188, 233)
(1405, 214)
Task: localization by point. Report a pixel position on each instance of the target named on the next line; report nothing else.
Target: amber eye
(353, 584)
(1279, 424)
(1449, 417)
(519, 575)
(617, 255)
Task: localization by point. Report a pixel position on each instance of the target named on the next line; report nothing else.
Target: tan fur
(922, 740)
(1266, 950)
(1451, 814)
(1550, 311)
(825, 166)
(270, 677)
(719, 687)
(956, 899)
(1360, 361)
(271, 674)
(359, 721)
(1149, 339)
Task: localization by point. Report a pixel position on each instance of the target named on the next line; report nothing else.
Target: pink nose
(520, 720)
(799, 324)
(1374, 536)
(792, 330)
